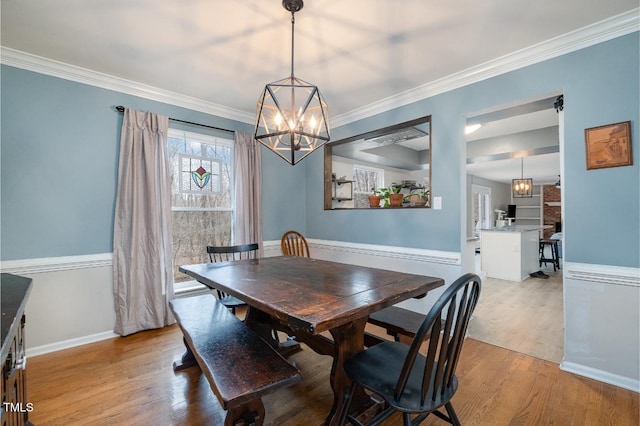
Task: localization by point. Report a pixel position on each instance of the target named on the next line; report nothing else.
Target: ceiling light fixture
(559, 103)
(471, 128)
(522, 188)
(292, 116)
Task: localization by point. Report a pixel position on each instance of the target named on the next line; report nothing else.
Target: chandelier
(522, 188)
(291, 117)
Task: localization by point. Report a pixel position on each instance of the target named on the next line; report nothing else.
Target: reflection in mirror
(395, 159)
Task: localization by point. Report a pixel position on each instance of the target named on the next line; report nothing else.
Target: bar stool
(553, 247)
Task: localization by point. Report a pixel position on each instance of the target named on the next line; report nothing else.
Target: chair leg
(540, 254)
(406, 419)
(347, 404)
(452, 414)
(420, 418)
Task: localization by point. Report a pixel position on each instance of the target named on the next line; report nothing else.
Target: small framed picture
(608, 146)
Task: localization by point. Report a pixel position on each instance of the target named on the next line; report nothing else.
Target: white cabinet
(509, 255)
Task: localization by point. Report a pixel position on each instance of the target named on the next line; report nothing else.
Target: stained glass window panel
(199, 175)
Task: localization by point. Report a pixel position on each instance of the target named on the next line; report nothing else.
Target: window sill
(189, 287)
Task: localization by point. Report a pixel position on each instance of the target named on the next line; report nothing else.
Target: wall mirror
(388, 161)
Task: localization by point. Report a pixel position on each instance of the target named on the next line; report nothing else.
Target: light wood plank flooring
(130, 381)
(526, 316)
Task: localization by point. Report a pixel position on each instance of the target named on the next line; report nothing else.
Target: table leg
(348, 341)
(263, 324)
(187, 360)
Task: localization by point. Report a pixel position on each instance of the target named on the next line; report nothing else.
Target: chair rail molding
(602, 273)
(55, 264)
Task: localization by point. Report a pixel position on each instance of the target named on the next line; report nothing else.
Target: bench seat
(239, 365)
(397, 321)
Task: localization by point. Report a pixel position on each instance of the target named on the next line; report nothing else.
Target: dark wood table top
(311, 295)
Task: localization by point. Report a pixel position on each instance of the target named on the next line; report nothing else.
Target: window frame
(188, 286)
(379, 178)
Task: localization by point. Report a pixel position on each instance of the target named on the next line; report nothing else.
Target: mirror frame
(328, 205)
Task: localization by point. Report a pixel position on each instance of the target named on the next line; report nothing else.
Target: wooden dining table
(306, 297)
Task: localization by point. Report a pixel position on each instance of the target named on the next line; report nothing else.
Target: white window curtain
(247, 166)
(142, 236)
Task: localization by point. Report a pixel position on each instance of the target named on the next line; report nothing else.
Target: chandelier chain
(293, 23)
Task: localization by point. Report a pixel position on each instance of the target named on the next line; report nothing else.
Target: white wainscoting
(602, 323)
(71, 302)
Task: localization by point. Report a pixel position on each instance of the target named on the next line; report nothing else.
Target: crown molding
(608, 29)
(41, 65)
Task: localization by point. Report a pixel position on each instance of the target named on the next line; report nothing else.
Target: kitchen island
(510, 252)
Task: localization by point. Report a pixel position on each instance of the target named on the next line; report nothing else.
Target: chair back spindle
(293, 243)
(444, 327)
(228, 254)
(413, 383)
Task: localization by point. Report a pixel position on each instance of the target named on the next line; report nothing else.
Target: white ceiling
(358, 52)
(543, 168)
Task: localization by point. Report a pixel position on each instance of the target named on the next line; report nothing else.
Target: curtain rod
(120, 108)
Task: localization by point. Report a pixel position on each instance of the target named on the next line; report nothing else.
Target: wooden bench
(397, 321)
(239, 365)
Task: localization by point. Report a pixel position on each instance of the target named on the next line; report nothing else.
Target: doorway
(523, 316)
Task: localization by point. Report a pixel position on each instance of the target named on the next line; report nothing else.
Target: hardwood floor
(130, 381)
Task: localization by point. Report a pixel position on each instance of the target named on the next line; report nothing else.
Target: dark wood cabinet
(15, 408)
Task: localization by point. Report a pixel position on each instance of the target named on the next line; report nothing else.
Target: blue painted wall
(284, 204)
(602, 207)
(59, 159)
(59, 163)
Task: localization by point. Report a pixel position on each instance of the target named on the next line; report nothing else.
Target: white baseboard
(71, 343)
(601, 376)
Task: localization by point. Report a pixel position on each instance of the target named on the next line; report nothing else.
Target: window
(481, 208)
(366, 178)
(201, 196)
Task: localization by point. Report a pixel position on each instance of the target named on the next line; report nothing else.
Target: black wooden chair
(229, 253)
(408, 381)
